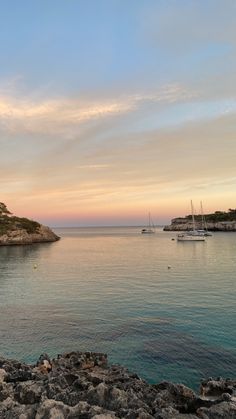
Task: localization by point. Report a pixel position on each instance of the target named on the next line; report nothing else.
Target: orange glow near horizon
(114, 214)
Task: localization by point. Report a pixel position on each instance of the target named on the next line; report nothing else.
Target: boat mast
(193, 221)
(203, 224)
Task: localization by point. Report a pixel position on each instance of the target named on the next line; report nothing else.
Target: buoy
(169, 267)
(35, 266)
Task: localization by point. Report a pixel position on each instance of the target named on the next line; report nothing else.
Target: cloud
(169, 163)
(58, 115)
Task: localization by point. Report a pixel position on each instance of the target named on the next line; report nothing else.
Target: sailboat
(192, 235)
(204, 229)
(150, 229)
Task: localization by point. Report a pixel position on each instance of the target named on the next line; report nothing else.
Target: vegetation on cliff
(217, 216)
(21, 230)
(9, 222)
(217, 221)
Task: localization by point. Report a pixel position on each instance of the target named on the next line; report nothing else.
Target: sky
(110, 109)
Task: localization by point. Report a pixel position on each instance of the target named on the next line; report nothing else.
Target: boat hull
(192, 238)
(204, 233)
(147, 231)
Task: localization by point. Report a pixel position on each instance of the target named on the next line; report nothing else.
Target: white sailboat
(192, 235)
(204, 229)
(150, 229)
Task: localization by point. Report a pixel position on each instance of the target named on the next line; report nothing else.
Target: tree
(3, 209)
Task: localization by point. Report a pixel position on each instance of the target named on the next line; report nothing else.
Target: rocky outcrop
(185, 224)
(16, 230)
(82, 385)
(21, 236)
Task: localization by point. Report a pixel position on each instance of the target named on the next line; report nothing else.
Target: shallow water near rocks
(110, 290)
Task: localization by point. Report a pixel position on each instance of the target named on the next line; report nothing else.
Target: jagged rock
(52, 409)
(215, 388)
(10, 409)
(105, 416)
(83, 385)
(224, 410)
(28, 392)
(3, 375)
(176, 395)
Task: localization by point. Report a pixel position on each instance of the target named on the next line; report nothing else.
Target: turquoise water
(110, 290)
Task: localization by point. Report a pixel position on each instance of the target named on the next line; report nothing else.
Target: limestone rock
(21, 236)
(15, 230)
(83, 385)
(185, 224)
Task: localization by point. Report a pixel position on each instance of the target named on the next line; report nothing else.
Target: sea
(164, 309)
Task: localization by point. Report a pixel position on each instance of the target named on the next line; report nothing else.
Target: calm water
(110, 290)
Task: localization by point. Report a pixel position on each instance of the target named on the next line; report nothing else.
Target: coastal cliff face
(184, 224)
(83, 385)
(16, 230)
(217, 221)
(21, 236)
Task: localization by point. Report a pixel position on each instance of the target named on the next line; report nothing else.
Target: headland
(17, 230)
(217, 221)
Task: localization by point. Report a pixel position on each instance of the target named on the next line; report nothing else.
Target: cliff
(184, 224)
(218, 221)
(16, 230)
(83, 385)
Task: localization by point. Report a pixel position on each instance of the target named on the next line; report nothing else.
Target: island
(17, 230)
(217, 221)
(83, 385)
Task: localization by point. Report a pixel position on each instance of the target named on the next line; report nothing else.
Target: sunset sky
(110, 109)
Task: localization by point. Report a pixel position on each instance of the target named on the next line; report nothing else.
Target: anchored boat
(193, 235)
(150, 229)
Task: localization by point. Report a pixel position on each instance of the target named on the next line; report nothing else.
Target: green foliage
(29, 225)
(217, 216)
(3, 209)
(3, 229)
(9, 223)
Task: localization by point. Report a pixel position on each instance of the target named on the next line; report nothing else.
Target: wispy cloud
(55, 115)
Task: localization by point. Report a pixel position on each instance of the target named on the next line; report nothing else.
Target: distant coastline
(217, 221)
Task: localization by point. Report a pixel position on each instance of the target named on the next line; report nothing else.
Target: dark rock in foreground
(82, 385)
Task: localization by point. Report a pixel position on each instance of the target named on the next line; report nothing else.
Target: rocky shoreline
(184, 224)
(19, 236)
(83, 385)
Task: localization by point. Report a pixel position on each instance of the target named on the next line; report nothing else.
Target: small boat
(204, 232)
(150, 229)
(189, 236)
(193, 235)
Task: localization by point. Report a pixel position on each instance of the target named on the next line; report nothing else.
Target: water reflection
(110, 290)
